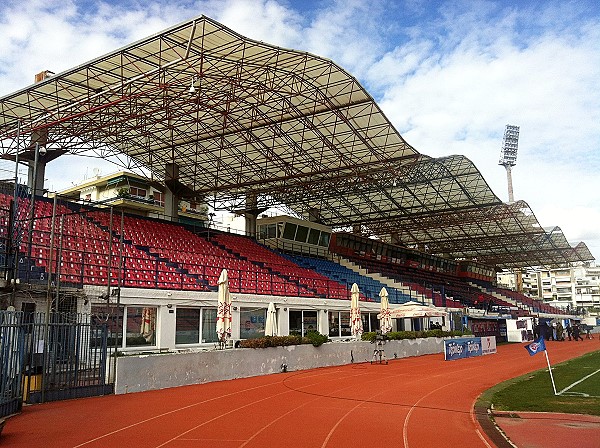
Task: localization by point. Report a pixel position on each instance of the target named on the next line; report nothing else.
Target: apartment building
(573, 287)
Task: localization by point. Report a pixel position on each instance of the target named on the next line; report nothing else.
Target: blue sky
(448, 74)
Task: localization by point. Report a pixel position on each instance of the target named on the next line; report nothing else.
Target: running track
(412, 403)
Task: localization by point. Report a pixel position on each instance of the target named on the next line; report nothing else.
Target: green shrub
(271, 341)
(312, 337)
(316, 338)
(398, 335)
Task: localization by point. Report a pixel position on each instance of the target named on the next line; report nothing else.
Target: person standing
(560, 332)
(577, 333)
(569, 331)
(548, 331)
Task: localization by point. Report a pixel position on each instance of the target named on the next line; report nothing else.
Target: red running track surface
(413, 402)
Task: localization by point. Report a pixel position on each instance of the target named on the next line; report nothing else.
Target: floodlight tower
(508, 155)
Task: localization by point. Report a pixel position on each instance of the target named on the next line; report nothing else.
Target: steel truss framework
(253, 125)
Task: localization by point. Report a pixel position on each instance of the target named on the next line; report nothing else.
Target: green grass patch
(533, 392)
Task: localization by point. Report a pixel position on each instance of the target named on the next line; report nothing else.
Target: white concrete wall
(165, 325)
(158, 371)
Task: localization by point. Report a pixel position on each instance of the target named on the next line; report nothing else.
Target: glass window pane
(301, 234)
(374, 322)
(187, 326)
(141, 326)
(345, 324)
(262, 232)
(324, 240)
(209, 325)
(334, 324)
(295, 322)
(309, 321)
(313, 236)
(289, 231)
(365, 321)
(252, 323)
(113, 317)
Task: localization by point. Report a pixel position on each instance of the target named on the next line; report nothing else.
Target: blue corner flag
(536, 346)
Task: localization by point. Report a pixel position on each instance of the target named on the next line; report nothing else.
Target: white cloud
(456, 98)
(264, 20)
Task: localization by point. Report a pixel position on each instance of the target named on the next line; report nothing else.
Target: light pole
(508, 155)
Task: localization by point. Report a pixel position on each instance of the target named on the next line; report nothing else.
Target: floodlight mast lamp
(508, 155)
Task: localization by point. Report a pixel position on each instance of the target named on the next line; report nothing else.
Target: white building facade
(568, 287)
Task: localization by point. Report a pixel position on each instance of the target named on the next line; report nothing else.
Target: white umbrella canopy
(356, 326)
(385, 320)
(223, 308)
(271, 322)
(414, 309)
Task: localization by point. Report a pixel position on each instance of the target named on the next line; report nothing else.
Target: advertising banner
(458, 348)
(488, 345)
(455, 349)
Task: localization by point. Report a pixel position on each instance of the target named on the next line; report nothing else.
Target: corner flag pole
(550, 370)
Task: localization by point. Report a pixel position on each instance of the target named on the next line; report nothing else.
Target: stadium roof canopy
(251, 125)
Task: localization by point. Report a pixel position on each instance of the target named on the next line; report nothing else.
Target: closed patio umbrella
(356, 326)
(271, 322)
(223, 309)
(385, 320)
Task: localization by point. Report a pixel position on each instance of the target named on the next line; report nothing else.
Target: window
(334, 324)
(135, 191)
(187, 326)
(289, 231)
(324, 240)
(67, 305)
(262, 232)
(159, 198)
(313, 236)
(113, 318)
(209, 325)
(301, 234)
(252, 323)
(141, 326)
(267, 231)
(339, 324)
(375, 323)
(365, 321)
(345, 324)
(272, 231)
(301, 322)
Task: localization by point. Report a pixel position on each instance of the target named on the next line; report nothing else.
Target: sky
(449, 75)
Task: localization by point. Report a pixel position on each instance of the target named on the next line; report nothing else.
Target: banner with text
(458, 348)
(488, 345)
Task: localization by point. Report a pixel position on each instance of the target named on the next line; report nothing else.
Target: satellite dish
(96, 172)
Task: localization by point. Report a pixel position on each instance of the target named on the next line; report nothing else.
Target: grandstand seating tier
(158, 254)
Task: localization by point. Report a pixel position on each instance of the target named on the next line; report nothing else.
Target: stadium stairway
(368, 285)
(518, 300)
(403, 292)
